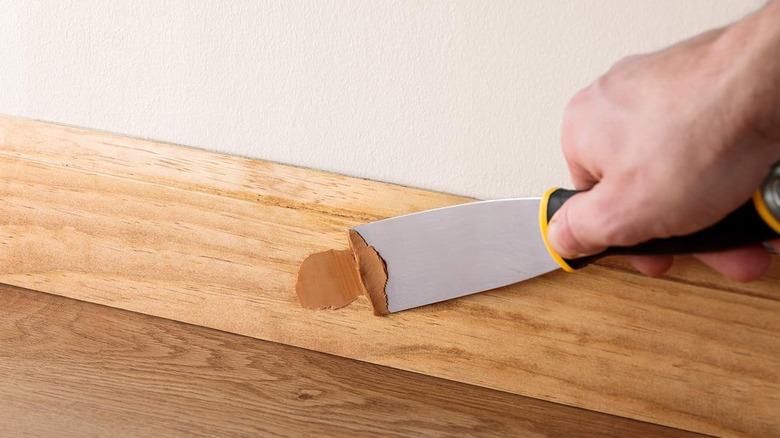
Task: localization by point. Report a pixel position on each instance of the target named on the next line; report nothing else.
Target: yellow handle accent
(760, 203)
(543, 226)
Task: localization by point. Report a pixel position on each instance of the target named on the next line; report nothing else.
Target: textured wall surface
(457, 96)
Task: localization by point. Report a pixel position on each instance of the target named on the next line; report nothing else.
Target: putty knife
(450, 252)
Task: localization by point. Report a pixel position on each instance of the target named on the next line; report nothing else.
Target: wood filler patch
(332, 279)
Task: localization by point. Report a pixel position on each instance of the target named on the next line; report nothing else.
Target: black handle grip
(742, 227)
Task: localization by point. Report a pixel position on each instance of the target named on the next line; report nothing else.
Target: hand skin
(670, 142)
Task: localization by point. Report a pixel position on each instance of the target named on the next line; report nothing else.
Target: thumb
(582, 225)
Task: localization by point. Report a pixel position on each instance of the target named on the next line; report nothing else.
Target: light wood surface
(216, 241)
(71, 368)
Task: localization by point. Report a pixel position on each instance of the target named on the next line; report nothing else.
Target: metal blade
(450, 252)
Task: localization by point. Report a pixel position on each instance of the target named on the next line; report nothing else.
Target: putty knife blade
(450, 252)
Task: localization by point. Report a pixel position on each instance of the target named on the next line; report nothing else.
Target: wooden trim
(216, 241)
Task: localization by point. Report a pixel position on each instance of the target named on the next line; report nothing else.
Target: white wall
(456, 96)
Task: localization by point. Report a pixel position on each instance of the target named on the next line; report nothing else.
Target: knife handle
(756, 221)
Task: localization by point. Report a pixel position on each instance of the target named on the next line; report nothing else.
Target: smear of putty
(332, 279)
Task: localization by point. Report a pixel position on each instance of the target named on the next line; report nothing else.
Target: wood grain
(216, 241)
(72, 368)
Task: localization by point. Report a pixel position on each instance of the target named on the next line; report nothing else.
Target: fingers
(579, 238)
(653, 266)
(590, 221)
(741, 264)
(562, 239)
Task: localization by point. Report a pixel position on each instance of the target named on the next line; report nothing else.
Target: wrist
(758, 32)
(750, 51)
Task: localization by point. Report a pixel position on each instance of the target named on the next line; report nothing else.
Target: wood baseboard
(216, 241)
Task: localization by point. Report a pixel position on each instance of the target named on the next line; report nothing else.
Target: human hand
(671, 142)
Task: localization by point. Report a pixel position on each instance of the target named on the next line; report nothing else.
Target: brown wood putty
(332, 279)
